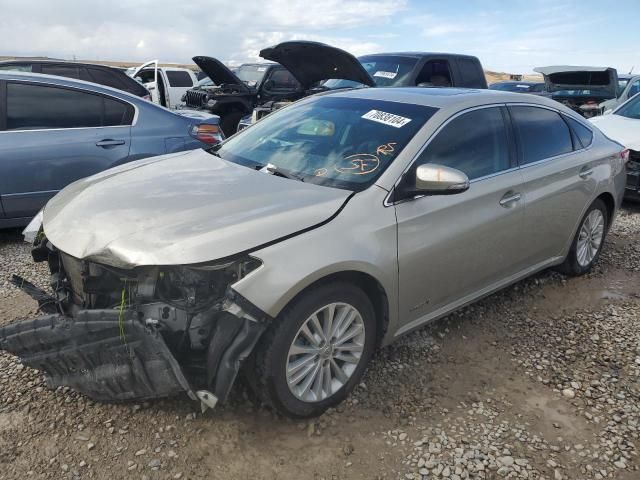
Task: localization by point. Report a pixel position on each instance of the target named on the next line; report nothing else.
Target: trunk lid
(602, 81)
(311, 62)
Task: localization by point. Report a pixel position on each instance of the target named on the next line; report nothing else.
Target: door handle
(585, 173)
(509, 198)
(109, 143)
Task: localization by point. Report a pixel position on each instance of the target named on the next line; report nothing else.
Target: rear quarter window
(583, 134)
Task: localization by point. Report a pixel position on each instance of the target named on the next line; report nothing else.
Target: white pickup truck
(167, 85)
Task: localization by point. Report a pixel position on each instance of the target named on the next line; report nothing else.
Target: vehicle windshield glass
(511, 87)
(622, 83)
(386, 71)
(251, 74)
(330, 140)
(203, 82)
(631, 109)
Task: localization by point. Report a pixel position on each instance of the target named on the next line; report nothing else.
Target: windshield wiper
(275, 170)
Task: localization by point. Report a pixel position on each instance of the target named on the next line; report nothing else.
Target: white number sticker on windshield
(383, 74)
(385, 118)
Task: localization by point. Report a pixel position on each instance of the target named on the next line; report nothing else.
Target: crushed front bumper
(113, 358)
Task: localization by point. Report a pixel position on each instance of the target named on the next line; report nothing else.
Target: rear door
(453, 247)
(558, 178)
(52, 136)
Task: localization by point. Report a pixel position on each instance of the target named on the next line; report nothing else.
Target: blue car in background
(56, 130)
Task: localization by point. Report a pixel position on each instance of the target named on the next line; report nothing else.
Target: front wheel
(316, 352)
(588, 242)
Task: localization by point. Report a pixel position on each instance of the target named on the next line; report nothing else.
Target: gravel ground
(540, 381)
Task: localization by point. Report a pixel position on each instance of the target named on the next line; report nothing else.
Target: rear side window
(106, 77)
(582, 133)
(69, 71)
(471, 73)
(33, 107)
(178, 78)
(475, 143)
(542, 133)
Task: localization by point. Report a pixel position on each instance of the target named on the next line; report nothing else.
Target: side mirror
(433, 179)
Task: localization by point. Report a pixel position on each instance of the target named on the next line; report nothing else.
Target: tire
(578, 262)
(272, 357)
(229, 122)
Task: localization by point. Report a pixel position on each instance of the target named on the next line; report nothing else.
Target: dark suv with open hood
(294, 69)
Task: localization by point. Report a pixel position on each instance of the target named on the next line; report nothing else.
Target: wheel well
(371, 287)
(610, 203)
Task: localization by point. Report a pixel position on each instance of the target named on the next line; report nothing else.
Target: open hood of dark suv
(566, 77)
(218, 71)
(311, 62)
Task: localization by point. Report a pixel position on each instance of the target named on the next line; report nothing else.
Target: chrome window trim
(84, 90)
(388, 203)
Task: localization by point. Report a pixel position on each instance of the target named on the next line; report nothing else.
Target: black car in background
(100, 74)
(535, 88)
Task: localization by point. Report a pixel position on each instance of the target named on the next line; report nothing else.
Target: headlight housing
(32, 231)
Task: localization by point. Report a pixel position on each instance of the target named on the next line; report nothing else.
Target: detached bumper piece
(98, 354)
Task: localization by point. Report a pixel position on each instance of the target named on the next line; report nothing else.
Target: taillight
(625, 156)
(207, 133)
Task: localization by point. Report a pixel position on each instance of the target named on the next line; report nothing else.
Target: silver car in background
(299, 245)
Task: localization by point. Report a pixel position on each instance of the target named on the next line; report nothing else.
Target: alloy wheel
(325, 352)
(590, 238)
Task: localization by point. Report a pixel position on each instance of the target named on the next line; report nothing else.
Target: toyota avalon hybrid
(292, 250)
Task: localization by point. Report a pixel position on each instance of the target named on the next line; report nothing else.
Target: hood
(311, 62)
(182, 209)
(218, 72)
(566, 77)
(624, 130)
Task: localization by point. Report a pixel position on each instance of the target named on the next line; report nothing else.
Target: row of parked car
(291, 250)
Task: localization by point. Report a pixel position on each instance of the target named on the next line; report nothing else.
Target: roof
(68, 82)
(444, 97)
(49, 60)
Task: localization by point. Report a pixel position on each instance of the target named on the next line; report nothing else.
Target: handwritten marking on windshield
(321, 172)
(386, 149)
(360, 164)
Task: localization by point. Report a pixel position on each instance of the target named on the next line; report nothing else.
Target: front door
(52, 136)
(453, 247)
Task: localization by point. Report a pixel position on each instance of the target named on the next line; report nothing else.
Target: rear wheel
(588, 242)
(316, 352)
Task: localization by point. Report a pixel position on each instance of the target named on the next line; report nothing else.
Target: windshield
(203, 82)
(511, 87)
(251, 74)
(333, 141)
(631, 109)
(386, 71)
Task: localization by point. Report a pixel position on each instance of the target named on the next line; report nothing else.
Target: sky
(509, 36)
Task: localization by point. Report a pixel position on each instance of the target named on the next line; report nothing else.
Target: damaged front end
(134, 334)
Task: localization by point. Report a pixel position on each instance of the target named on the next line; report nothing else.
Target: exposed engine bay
(148, 332)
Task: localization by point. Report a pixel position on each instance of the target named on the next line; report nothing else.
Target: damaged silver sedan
(295, 248)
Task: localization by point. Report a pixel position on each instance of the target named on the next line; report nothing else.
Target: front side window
(334, 141)
(386, 71)
(35, 107)
(475, 143)
(282, 80)
(179, 78)
(541, 133)
(633, 89)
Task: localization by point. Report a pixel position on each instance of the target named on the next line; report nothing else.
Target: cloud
(174, 32)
